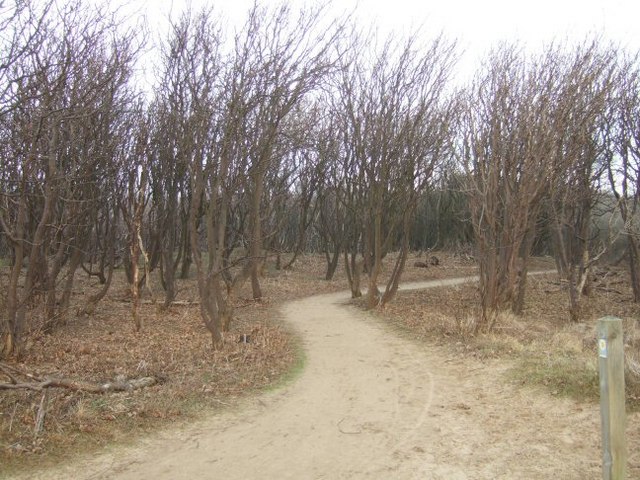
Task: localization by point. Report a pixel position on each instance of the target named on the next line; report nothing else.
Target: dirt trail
(371, 404)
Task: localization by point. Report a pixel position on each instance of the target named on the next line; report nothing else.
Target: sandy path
(371, 404)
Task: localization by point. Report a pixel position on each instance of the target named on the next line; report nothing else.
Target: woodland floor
(516, 403)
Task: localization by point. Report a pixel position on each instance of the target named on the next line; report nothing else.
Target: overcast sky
(477, 24)
(472, 21)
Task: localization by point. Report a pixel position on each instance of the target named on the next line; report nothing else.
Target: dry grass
(546, 348)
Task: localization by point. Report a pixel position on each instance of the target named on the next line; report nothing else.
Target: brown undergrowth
(546, 349)
(173, 347)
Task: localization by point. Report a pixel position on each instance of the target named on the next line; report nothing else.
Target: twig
(8, 373)
(42, 411)
(175, 303)
(9, 369)
(13, 415)
(610, 290)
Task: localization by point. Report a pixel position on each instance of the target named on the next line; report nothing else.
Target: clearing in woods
(371, 404)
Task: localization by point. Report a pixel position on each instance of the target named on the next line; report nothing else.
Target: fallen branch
(39, 383)
(175, 303)
(609, 290)
(184, 303)
(81, 386)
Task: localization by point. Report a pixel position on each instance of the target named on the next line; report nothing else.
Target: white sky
(477, 24)
(474, 22)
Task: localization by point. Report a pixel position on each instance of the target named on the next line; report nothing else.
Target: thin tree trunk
(11, 341)
(332, 264)
(186, 252)
(108, 257)
(74, 263)
(517, 307)
(206, 287)
(392, 285)
(52, 320)
(353, 269)
(135, 286)
(634, 256)
(93, 301)
(169, 280)
(373, 293)
(574, 295)
(256, 236)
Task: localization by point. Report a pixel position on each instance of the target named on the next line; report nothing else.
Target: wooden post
(612, 397)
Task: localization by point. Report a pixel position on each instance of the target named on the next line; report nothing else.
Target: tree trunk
(373, 293)
(634, 267)
(108, 258)
(74, 263)
(209, 295)
(11, 330)
(393, 283)
(517, 306)
(332, 264)
(134, 250)
(353, 269)
(574, 295)
(185, 270)
(168, 275)
(93, 301)
(256, 235)
(488, 290)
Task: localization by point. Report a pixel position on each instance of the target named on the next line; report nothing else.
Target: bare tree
(331, 224)
(579, 161)
(309, 167)
(279, 58)
(531, 141)
(22, 30)
(188, 101)
(396, 121)
(171, 144)
(67, 93)
(506, 144)
(133, 203)
(622, 143)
